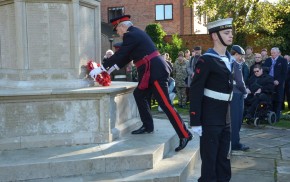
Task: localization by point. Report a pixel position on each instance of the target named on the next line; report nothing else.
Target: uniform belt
(119, 76)
(146, 60)
(218, 95)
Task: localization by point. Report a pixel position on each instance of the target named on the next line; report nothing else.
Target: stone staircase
(141, 158)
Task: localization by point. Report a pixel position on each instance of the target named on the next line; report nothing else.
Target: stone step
(129, 153)
(174, 167)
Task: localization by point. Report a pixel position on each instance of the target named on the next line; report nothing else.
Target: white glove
(197, 130)
(94, 73)
(245, 96)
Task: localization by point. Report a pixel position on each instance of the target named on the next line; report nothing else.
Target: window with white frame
(114, 12)
(164, 12)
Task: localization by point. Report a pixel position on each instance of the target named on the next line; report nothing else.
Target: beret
(238, 49)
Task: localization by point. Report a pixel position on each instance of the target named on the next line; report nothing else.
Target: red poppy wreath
(103, 78)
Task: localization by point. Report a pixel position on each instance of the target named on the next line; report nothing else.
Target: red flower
(104, 79)
(90, 65)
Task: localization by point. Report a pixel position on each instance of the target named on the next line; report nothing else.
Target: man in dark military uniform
(210, 96)
(153, 76)
(122, 74)
(237, 103)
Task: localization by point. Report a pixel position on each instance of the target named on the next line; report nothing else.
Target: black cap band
(219, 28)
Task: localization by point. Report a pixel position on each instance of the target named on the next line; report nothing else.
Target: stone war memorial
(46, 97)
(56, 123)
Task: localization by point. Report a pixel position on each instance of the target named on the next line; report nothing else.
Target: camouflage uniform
(180, 76)
(249, 60)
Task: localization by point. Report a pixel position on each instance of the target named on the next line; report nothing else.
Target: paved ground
(268, 159)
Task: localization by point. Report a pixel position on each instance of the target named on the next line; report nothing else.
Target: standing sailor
(210, 96)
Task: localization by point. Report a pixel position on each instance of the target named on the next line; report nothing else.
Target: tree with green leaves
(157, 34)
(250, 17)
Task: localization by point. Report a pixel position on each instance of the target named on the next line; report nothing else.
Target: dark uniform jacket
(239, 84)
(280, 73)
(265, 82)
(245, 71)
(211, 73)
(136, 45)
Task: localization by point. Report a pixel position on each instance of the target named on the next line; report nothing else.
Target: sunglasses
(256, 71)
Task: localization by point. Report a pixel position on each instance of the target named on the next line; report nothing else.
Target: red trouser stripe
(170, 108)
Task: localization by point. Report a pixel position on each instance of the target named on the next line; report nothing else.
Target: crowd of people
(214, 84)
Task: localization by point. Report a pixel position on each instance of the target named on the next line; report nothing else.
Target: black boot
(183, 142)
(141, 130)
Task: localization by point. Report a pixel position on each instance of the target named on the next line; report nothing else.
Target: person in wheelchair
(260, 88)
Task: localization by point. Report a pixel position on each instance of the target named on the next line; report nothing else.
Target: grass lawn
(283, 123)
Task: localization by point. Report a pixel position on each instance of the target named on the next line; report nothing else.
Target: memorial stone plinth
(45, 43)
(44, 118)
(45, 98)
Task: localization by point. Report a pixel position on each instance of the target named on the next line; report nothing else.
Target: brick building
(174, 17)
(171, 14)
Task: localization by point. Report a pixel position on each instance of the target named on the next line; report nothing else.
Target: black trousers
(159, 88)
(287, 93)
(214, 152)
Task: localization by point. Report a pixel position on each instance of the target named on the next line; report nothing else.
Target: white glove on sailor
(97, 70)
(245, 96)
(197, 130)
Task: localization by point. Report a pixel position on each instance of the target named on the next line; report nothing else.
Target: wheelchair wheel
(256, 122)
(271, 118)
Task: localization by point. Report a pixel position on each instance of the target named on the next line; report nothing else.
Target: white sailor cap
(219, 25)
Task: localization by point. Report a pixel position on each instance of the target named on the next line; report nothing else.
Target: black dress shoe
(242, 148)
(141, 130)
(183, 142)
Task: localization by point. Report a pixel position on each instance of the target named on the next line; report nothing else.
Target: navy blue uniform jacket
(136, 45)
(239, 84)
(211, 73)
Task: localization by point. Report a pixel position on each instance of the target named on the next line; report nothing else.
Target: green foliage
(250, 17)
(175, 47)
(157, 34)
(284, 33)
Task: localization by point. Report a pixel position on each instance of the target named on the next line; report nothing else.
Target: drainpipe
(181, 17)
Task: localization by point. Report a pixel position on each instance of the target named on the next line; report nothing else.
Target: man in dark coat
(277, 66)
(153, 75)
(260, 88)
(210, 96)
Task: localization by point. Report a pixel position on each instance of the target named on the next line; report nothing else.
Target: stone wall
(47, 41)
(45, 118)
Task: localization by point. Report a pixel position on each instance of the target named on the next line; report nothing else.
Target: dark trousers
(287, 93)
(214, 152)
(277, 107)
(159, 89)
(278, 99)
(237, 109)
